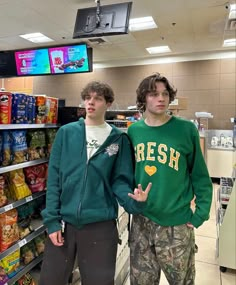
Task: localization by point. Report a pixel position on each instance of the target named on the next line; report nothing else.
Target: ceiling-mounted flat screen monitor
(114, 20)
(32, 62)
(69, 59)
(90, 58)
(7, 64)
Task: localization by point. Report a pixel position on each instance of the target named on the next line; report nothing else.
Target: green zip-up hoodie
(170, 157)
(80, 191)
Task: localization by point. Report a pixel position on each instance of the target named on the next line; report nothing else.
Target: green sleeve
(123, 178)
(201, 183)
(51, 214)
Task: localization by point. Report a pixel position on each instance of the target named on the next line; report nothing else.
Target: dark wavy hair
(102, 89)
(148, 85)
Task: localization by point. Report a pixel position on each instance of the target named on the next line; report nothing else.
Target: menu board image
(69, 59)
(31, 62)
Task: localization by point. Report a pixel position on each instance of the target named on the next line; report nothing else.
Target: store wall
(209, 86)
(19, 84)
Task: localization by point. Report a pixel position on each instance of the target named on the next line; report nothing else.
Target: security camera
(227, 6)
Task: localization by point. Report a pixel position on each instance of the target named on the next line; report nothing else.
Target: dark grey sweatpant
(95, 246)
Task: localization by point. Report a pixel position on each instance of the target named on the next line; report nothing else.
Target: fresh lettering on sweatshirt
(159, 153)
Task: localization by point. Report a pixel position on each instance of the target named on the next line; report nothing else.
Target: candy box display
(19, 109)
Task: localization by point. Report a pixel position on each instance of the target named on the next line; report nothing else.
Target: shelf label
(28, 199)
(8, 207)
(22, 242)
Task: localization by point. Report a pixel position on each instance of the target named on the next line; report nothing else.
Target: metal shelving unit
(39, 228)
(124, 111)
(226, 241)
(22, 201)
(23, 242)
(24, 270)
(8, 127)
(117, 121)
(4, 169)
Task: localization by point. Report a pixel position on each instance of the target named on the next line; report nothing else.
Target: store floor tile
(207, 274)
(206, 250)
(208, 229)
(229, 277)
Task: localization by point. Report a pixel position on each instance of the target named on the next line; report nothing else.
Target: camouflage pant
(154, 248)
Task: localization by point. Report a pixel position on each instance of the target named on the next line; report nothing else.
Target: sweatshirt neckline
(161, 126)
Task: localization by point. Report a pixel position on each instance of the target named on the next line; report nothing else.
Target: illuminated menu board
(32, 62)
(69, 59)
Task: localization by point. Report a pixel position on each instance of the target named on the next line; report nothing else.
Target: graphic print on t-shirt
(93, 144)
(95, 137)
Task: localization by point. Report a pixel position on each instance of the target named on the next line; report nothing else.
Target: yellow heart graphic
(150, 170)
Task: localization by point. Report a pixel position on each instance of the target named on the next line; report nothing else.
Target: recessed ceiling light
(229, 43)
(36, 38)
(159, 49)
(144, 23)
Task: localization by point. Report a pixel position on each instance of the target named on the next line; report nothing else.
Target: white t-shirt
(95, 137)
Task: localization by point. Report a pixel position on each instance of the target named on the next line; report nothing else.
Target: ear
(109, 105)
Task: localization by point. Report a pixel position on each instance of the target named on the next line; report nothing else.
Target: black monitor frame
(13, 72)
(108, 20)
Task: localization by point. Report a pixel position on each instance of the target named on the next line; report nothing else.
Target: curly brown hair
(148, 85)
(102, 89)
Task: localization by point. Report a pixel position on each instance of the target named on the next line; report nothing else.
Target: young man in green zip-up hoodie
(90, 169)
(168, 154)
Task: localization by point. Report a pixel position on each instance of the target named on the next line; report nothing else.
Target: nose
(161, 98)
(91, 101)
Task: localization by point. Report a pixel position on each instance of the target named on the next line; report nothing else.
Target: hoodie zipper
(85, 178)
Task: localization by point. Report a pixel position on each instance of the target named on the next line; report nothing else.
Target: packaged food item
(19, 146)
(9, 232)
(27, 279)
(28, 253)
(5, 107)
(39, 206)
(40, 109)
(16, 182)
(51, 110)
(3, 197)
(36, 141)
(19, 108)
(35, 177)
(3, 276)
(40, 243)
(11, 263)
(1, 146)
(24, 227)
(31, 115)
(6, 160)
(50, 136)
(26, 211)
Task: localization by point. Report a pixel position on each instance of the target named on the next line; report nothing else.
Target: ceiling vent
(97, 41)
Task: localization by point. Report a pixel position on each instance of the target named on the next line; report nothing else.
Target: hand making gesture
(140, 195)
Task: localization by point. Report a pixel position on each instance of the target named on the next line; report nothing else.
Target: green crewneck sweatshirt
(170, 157)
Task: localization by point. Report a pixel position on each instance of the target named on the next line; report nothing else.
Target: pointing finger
(147, 190)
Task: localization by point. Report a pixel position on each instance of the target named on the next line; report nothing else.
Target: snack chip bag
(19, 146)
(7, 157)
(9, 232)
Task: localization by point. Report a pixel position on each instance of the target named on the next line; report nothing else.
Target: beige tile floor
(207, 269)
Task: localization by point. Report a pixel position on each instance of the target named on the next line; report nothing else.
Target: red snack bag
(35, 177)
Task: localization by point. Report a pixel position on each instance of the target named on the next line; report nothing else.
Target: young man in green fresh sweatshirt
(168, 154)
(90, 169)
